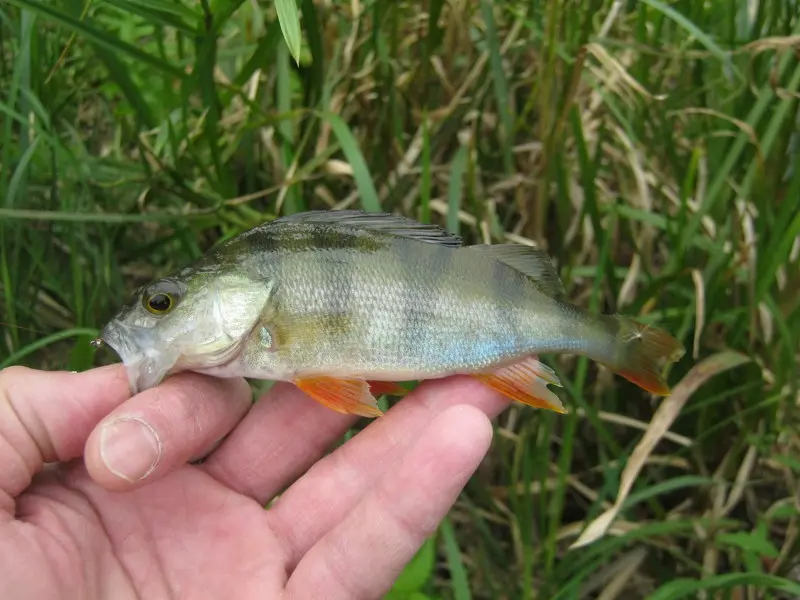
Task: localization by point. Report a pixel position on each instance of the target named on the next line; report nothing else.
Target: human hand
(145, 524)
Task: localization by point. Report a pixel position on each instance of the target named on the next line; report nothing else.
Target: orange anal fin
(526, 382)
(390, 388)
(346, 396)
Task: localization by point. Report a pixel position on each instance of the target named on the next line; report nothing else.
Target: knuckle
(14, 372)
(11, 377)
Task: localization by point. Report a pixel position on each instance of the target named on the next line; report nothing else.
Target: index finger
(47, 417)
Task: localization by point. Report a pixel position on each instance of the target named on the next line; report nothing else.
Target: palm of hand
(344, 528)
(186, 536)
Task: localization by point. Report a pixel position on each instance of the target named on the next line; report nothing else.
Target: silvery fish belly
(345, 304)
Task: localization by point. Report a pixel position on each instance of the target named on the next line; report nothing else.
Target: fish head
(191, 321)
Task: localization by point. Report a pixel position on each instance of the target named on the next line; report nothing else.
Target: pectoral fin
(346, 396)
(526, 382)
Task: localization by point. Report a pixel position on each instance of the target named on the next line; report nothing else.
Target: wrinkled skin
(345, 527)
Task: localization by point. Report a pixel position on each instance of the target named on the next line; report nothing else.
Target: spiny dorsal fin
(533, 262)
(383, 222)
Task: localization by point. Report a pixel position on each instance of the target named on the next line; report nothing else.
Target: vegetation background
(652, 147)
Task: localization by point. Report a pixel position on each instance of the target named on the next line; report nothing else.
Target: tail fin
(641, 350)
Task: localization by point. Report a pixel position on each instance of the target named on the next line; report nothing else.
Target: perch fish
(346, 304)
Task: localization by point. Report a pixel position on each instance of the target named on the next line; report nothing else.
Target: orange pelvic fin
(526, 382)
(346, 396)
(390, 388)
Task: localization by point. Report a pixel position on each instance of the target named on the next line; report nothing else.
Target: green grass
(650, 146)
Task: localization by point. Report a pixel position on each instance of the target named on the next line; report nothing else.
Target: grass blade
(458, 574)
(289, 18)
(294, 200)
(455, 191)
(500, 83)
(46, 341)
(366, 188)
(20, 172)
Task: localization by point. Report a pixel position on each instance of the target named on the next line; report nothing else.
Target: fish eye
(159, 303)
(161, 297)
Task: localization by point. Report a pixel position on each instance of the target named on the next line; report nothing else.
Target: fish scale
(410, 321)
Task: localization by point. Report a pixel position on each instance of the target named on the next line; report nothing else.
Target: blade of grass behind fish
(425, 183)
(17, 356)
(289, 18)
(366, 188)
(293, 193)
(455, 190)
(384, 42)
(435, 30)
(205, 64)
(500, 84)
(458, 574)
(315, 82)
(587, 167)
(19, 178)
(549, 16)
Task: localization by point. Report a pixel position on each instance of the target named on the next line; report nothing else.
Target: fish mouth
(145, 365)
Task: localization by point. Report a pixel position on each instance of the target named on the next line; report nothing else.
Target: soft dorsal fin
(533, 262)
(383, 222)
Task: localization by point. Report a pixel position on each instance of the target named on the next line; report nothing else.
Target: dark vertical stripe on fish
(337, 277)
(414, 299)
(437, 277)
(500, 298)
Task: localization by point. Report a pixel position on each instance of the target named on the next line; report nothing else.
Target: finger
(163, 427)
(327, 493)
(281, 437)
(287, 432)
(362, 556)
(47, 416)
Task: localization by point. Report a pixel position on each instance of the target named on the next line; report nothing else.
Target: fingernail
(130, 448)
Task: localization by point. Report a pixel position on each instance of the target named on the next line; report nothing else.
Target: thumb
(47, 417)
